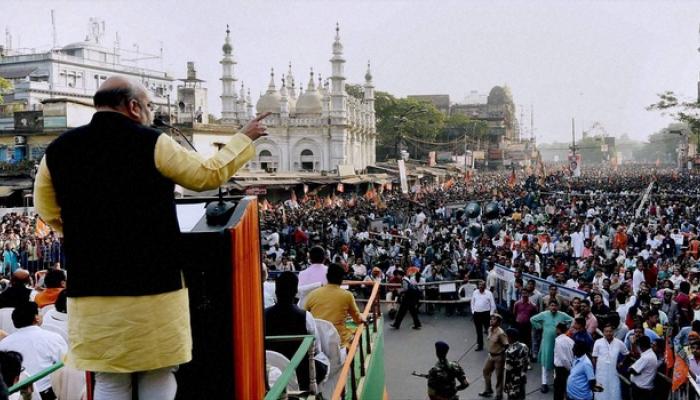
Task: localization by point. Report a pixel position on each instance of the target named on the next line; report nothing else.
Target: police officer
(441, 378)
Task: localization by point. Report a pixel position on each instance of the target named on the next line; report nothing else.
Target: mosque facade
(315, 129)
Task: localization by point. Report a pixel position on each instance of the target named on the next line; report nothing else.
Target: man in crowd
(18, 292)
(334, 304)
(497, 343)
(39, 348)
(147, 327)
(483, 305)
(517, 363)
(643, 371)
(581, 381)
(548, 321)
(409, 295)
(286, 318)
(563, 358)
(442, 377)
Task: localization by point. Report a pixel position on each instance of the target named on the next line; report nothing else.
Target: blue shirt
(577, 386)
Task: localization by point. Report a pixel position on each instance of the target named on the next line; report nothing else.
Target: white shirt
(56, 322)
(637, 279)
(563, 351)
(314, 273)
(605, 351)
(646, 366)
(39, 348)
(483, 301)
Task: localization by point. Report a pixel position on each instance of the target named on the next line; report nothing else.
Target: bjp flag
(680, 373)
(668, 355)
(41, 230)
(511, 179)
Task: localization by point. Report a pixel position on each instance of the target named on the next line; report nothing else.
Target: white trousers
(158, 384)
(545, 373)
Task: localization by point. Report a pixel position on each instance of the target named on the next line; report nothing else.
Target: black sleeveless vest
(119, 221)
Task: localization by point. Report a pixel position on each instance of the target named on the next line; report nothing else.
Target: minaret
(338, 95)
(284, 101)
(371, 140)
(369, 95)
(241, 113)
(249, 105)
(291, 87)
(228, 82)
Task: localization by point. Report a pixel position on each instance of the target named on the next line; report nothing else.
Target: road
(407, 350)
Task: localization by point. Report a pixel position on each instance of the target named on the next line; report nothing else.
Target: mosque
(317, 129)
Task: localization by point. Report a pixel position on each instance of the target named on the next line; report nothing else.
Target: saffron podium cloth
(125, 334)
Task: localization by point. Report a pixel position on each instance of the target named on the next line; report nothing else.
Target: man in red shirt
(685, 313)
(523, 310)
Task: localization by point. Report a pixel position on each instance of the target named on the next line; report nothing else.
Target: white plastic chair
(329, 339)
(277, 360)
(6, 323)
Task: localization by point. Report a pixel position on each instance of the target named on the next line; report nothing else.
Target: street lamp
(401, 120)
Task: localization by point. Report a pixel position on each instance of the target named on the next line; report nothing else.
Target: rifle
(414, 373)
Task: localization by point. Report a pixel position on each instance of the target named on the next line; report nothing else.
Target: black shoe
(480, 348)
(544, 389)
(416, 327)
(394, 326)
(486, 394)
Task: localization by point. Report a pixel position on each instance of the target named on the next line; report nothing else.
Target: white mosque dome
(310, 102)
(270, 101)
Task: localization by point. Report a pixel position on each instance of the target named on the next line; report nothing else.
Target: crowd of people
(604, 269)
(26, 242)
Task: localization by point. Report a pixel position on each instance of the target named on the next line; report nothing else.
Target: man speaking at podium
(108, 187)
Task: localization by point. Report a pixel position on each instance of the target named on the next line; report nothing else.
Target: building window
(307, 160)
(265, 159)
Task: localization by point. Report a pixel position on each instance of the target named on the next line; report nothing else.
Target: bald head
(125, 96)
(21, 276)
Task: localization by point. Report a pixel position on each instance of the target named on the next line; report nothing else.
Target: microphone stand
(218, 212)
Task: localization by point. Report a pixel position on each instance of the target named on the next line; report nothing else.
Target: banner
(402, 175)
(506, 276)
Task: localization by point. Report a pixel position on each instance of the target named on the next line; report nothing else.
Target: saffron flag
(668, 355)
(680, 373)
(340, 188)
(352, 201)
(41, 230)
(294, 197)
(328, 203)
(511, 179)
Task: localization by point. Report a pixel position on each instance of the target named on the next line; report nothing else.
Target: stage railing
(357, 363)
(306, 349)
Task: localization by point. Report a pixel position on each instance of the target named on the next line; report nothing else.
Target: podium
(223, 275)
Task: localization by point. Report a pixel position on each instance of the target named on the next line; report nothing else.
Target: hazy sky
(596, 61)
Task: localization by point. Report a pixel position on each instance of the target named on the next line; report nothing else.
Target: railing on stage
(306, 349)
(688, 391)
(362, 375)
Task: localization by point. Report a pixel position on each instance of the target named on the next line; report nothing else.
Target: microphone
(159, 123)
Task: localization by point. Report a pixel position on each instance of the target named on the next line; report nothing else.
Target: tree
(456, 127)
(405, 122)
(687, 112)
(5, 86)
(355, 90)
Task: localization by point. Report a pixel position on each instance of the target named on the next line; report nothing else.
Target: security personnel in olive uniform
(441, 378)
